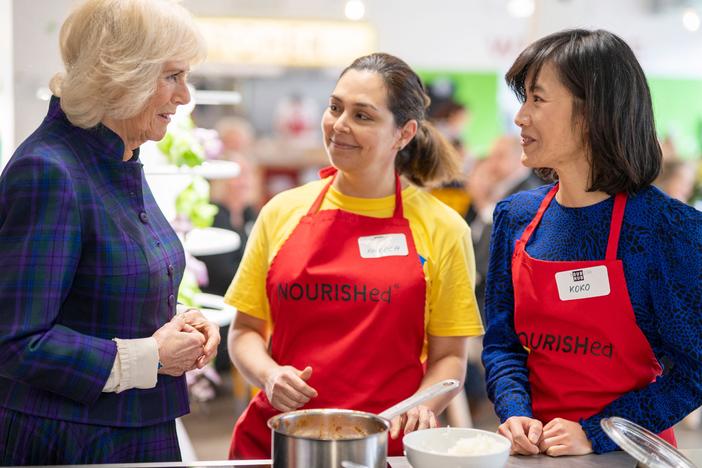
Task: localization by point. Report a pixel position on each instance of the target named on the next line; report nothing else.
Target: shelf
(214, 309)
(211, 241)
(212, 301)
(212, 169)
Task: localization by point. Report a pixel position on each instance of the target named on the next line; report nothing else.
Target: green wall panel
(677, 105)
(479, 92)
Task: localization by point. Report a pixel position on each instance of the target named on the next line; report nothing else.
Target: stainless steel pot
(329, 438)
(339, 438)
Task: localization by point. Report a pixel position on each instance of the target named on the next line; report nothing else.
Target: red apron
(359, 322)
(585, 350)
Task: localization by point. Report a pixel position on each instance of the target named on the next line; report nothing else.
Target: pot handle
(426, 394)
(350, 464)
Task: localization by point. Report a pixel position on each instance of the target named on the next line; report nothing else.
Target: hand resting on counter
(558, 437)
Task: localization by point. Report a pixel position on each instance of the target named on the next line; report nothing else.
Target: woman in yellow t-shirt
(362, 283)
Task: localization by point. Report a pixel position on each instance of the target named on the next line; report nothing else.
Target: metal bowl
(333, 438)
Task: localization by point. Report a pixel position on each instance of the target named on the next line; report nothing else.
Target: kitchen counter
(609, 460)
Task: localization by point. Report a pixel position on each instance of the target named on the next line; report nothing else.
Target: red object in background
(278, 179)
(296, 124)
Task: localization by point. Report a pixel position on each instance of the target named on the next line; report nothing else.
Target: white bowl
(429, 448)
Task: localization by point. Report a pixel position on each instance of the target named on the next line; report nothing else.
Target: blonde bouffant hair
(114, 51)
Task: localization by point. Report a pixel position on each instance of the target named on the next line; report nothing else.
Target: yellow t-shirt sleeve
(452, 306)
(247, 292)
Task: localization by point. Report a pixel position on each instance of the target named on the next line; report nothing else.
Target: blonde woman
(93, 352)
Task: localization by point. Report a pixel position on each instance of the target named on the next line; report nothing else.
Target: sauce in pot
(336, 427)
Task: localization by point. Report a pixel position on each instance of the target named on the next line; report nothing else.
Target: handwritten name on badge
(583, 283)
(384, 245)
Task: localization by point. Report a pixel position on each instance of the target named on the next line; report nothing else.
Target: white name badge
(583, 283)
(385, 245)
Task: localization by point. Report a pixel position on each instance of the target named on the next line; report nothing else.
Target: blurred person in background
(237, 200)
(296, 118)
(449, 117)
(668, 149)
(93, 351)
(359, 265)
(237, 136)
(593, 279)
(237, 203)
(499, 175)
(677, 179)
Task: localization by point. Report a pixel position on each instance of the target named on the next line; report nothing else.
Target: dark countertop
(609, 460)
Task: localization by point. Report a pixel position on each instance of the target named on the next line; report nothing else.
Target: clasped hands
(187, 342)
(287, 390)
(558, 437)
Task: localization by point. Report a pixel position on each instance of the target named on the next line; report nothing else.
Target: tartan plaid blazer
(85, 256)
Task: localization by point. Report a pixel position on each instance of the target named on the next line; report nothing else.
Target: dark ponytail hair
(428, 157)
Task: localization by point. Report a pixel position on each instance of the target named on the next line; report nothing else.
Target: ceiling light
(520, 8)
(43, 94)
(355, 9)
(691, 20)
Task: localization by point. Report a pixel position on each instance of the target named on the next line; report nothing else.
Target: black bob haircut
(611, 96)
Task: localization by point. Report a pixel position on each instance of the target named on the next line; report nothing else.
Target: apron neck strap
(325, 172)
(398, 213)
(615, 226)
(539, 214)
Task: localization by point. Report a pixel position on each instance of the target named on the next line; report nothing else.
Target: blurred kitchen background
(260, 96)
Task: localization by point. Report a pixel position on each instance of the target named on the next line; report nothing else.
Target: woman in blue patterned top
(92, 355)
(594, 279)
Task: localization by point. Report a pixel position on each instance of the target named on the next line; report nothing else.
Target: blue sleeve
(40, 247)
(506, 374)
(674, 272)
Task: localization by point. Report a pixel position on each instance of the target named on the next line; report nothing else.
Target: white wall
(36, 57)
(438, 34)
(478, 34)
(7, 129)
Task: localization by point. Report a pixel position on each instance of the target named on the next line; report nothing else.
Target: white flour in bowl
(476, 445)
